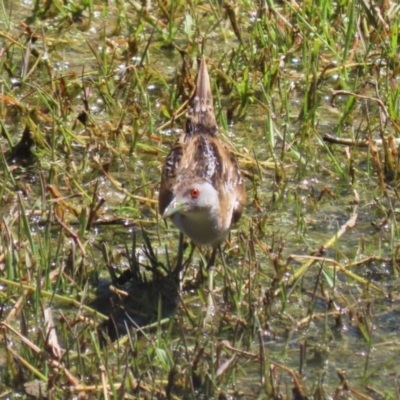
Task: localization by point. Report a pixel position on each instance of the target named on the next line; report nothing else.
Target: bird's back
(200, 154)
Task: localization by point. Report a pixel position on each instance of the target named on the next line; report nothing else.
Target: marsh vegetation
(305, 300)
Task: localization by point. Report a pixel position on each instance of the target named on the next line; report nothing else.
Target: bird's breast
(202, 228)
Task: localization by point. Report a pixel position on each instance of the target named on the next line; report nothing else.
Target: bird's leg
(187, 261)
(221, 254)
(179, 262)
(211, 261)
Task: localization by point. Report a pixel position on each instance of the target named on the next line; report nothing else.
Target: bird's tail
(200, 117)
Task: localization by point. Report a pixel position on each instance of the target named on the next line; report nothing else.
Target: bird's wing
(170, 173)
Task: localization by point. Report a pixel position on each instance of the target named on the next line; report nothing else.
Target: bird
(202, 189)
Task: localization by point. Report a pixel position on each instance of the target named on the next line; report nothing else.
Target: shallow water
(285, 214)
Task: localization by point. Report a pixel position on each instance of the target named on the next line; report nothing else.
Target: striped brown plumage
(202, 188)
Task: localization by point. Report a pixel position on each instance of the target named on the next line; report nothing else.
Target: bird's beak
(173, 208)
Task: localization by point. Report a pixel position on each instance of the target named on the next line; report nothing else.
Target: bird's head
(193, 198)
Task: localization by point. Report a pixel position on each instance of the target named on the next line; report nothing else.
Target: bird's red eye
(194, 193)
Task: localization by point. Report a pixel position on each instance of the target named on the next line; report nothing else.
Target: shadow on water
(139, 296)
(21, 154)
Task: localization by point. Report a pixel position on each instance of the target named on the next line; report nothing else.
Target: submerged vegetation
(304, 300)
